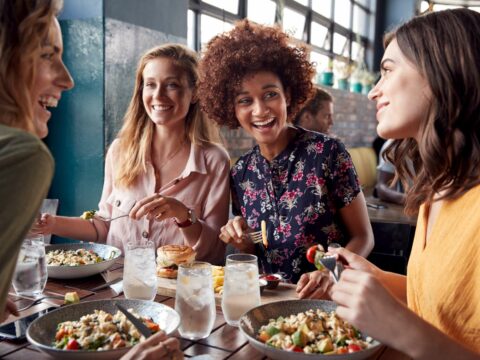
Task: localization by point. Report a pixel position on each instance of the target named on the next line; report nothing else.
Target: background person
(385, 189)
(302, 183)
(162, 167)
(317, 114)
(433, 312)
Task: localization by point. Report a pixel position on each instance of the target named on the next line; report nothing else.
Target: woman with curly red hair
(303, 184)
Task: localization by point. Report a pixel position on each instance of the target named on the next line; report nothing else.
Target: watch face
(193, 216)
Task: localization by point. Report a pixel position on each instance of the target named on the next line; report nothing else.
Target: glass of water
(139, 272)
(194, 300)
(241, 290)
(30, 274)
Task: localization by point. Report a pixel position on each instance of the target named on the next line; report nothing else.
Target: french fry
(264, 233)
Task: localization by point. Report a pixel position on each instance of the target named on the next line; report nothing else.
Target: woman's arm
(363, 301)
(357, 223)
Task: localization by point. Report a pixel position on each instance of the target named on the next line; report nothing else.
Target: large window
(339, 30)
(438, 5)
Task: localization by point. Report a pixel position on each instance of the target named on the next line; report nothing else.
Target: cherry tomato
(73, 344)
(294, 348)
(311, 253)
(354, 348)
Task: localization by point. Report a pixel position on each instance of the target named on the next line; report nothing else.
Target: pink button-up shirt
(202, 186)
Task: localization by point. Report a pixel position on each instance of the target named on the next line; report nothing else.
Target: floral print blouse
(298, 194)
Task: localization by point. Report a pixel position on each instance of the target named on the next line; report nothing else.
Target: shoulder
(18, 145)
(214, 153)
(315, 142)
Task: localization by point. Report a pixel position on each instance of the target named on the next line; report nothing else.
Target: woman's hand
(44, 225)
(159, 208)
(10, 308)
(235, 232)
(314, 285)
(157, 346)
(364, 302)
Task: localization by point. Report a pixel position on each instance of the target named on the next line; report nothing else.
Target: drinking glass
(195, 300)
(30, 274)
(241, 290)
(139, 272)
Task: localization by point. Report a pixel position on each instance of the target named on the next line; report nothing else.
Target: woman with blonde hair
(163, 166)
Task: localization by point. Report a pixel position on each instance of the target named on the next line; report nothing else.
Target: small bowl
(272, 280)
(263, 284)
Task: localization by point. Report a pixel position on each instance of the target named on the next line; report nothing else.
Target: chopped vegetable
(71, 298)
(87, 215)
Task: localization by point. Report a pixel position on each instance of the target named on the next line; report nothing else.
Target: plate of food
(72, 261)
(304, 329)
(97, 329)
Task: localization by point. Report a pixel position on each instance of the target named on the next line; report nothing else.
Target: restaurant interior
(103, 41)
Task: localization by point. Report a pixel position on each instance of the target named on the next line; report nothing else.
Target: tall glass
(139, 272)
(30, 274)
(195, 300)
(241, 291)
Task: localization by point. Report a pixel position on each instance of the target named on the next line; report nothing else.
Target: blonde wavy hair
(24, 26)
(135, 136)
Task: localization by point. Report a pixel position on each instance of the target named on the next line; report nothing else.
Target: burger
(170, 256)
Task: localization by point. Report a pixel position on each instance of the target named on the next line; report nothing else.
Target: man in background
(317, 115)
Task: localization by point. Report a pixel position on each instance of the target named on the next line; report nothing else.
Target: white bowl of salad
(72, 261)
(304, 329)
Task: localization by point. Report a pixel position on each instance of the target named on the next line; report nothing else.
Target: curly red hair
(248, 48)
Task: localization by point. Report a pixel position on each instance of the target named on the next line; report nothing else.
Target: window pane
(474, 8)
(365, 3)
(262, 11)
(320, 60)
(358, 52)
(360, 21)
(303, 2)
(191, 29)
(323, 7)
(438, 7)
(228, 5)
(293, 23)
(342, 13)
(319, 36)
(340, 44)
(210, 27)
(423, 6)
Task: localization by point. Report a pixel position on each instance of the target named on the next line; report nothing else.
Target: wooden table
(225, 342)
(388, 213)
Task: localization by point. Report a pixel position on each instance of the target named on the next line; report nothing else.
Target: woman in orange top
(429, 97)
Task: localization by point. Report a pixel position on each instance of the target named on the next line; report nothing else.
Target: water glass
(195, 300)
(241, 290)
(139, 272)
(30, 274)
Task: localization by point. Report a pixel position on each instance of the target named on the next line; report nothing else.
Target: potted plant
(343, 70)
(326, 76)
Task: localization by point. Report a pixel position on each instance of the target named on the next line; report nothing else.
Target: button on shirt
(202, 186)
(298, 194)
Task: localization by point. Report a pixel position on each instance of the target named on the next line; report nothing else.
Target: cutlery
(330, 262)
(107, 284)
(144, 330)
(39, 300)
(256, 237)
(110, 219)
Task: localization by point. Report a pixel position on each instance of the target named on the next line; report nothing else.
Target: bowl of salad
(304, 329)
(72, 261)
(97, 329)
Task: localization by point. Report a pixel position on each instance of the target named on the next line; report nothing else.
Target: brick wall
(354, 123)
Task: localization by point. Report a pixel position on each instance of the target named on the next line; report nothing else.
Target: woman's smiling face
(261, 108)
(403, 96)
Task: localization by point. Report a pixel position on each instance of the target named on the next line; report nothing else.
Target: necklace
(170, 157)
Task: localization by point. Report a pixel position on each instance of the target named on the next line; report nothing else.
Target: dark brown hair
(445, 48)
(315, 104)
(248, 48)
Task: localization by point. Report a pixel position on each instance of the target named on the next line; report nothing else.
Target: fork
(330, 262)
(39, 300)
(110, 219)
(256, 237)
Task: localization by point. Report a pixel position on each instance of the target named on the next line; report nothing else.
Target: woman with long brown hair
(428, 98)
(165, 169)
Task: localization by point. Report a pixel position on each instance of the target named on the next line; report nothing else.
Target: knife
(144, 330)
(107, 284)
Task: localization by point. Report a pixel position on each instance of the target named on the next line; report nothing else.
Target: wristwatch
(191, 219)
